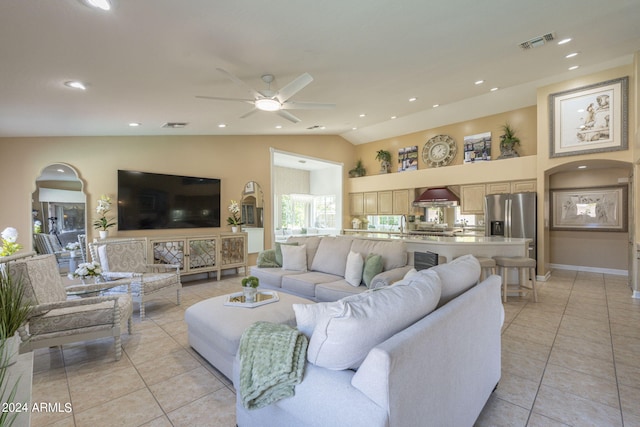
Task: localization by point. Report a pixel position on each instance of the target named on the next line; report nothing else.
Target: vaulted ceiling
(145, 61)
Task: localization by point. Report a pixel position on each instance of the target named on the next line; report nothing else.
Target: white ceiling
(146, 60)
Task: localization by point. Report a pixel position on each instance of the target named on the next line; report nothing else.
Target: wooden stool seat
(487, 265)
(523, 265)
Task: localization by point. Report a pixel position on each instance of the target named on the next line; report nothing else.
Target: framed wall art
(590, 119)
(477, 148)
(408, 159)
(592, 209)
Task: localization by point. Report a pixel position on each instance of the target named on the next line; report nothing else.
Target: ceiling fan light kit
(278, 101)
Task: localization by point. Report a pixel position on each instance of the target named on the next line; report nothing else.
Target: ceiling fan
(277, 101)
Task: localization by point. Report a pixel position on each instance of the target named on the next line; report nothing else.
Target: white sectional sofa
(439, 370)
(323, 275)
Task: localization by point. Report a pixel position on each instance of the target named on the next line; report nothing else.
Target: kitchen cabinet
(472, 199)
(356, 204)
(385, 202)
(523, 186)
(401, 202)
(511, 187)
(371, 203)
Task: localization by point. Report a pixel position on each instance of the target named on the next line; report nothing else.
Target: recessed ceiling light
(134, 124)
(571, 55)
(582, 167)
(412, 99)
(575, 67)
(222, 125)
(354, 128)
(74, 84)
(564, 41)
(479, 82)
(99, 4)
(436, 105)
(278, 126)
(493, 89)
(363, 115)
(323, 127)
(394, 117)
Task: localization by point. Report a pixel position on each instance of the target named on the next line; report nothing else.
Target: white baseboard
(611, 271)
(544, 278)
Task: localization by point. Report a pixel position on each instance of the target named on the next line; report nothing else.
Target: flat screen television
(148, 201)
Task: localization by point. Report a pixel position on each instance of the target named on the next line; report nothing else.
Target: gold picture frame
(590, 119)
(590, 209)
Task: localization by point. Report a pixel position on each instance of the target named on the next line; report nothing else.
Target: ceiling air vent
(175, 125)
(537, 41)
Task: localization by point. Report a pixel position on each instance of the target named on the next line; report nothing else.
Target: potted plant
(508, 142)
(359, 170)
(384, 157)
(250, 288)
(234, 220)
(103, 223)
(14, 312)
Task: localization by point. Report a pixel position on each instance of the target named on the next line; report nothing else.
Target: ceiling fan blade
(301, 105)
(218, 98)
(292, 88)
(250, 112)
(287, 115)
(239, 82)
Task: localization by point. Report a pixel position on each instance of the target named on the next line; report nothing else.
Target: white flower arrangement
(72, 246)
(104, 206)
(88, 269)
(9, 239)
(234, 209)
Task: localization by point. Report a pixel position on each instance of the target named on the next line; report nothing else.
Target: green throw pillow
(267, 259)
(279, 252)
(372, 266)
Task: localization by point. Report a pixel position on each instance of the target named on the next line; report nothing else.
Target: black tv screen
(149, 201)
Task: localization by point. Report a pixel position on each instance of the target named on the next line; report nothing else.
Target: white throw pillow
(346, 333)
(353, 272)
(294, 258)
(308, 315)
(457, 276)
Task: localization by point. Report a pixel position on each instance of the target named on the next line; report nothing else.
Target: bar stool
(520, 264)
(487, 265)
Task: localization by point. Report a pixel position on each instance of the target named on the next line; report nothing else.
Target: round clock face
(439, 151)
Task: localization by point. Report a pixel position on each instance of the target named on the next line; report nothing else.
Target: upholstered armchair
(127, 259)
(49, 244)
(56, 320)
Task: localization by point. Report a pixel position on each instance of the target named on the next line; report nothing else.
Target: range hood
(435, 197)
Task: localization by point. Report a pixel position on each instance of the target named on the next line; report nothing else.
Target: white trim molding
(612, 271)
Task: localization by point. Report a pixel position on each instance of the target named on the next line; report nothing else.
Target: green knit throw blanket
(272, 361)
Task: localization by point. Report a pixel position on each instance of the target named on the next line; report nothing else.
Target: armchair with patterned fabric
(54, 319)
(127, 259)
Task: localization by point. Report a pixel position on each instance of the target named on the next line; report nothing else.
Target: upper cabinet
(472, 199)
(401, 202)
(356, 204)
(523, 186)
(385, 202)
(371, 203)
(498, 188)
(511, 187)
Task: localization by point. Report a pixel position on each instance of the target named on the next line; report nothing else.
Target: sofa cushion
(355, 267)
(331, 256)
(343, 337)
(304, 284)
(333, 291)
(394, 253)
(271, 277)
(373, 265)
(308, 315)
(294, 258)
(457, 276)
(279, 251)
(311, 242)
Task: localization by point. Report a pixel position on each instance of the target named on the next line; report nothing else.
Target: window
(303, 211)
(384, 222)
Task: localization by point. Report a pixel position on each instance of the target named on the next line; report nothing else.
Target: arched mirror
(59, 214)
(252, 204)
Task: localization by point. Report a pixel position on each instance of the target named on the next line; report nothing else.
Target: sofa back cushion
(331, 256)
(457, 276)
(346, 332)
(311, 242)
(394, 253)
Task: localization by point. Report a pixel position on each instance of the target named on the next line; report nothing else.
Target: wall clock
(439, 151)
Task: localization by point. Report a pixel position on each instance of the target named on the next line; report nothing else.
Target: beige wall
(234, 159)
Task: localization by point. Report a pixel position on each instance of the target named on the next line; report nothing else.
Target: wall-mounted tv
(149, 201)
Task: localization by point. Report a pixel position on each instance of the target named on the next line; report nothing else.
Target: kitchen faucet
(403, 223)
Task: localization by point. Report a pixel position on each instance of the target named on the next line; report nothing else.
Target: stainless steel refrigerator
(512, 215)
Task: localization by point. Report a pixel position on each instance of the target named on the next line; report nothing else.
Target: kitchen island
(453, 247)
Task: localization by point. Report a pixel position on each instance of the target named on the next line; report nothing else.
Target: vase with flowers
(103, 222)
(72, 247)
(86, 270)
(235, 220)
(9, 239)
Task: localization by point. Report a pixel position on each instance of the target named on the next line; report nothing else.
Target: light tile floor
(572, 359)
